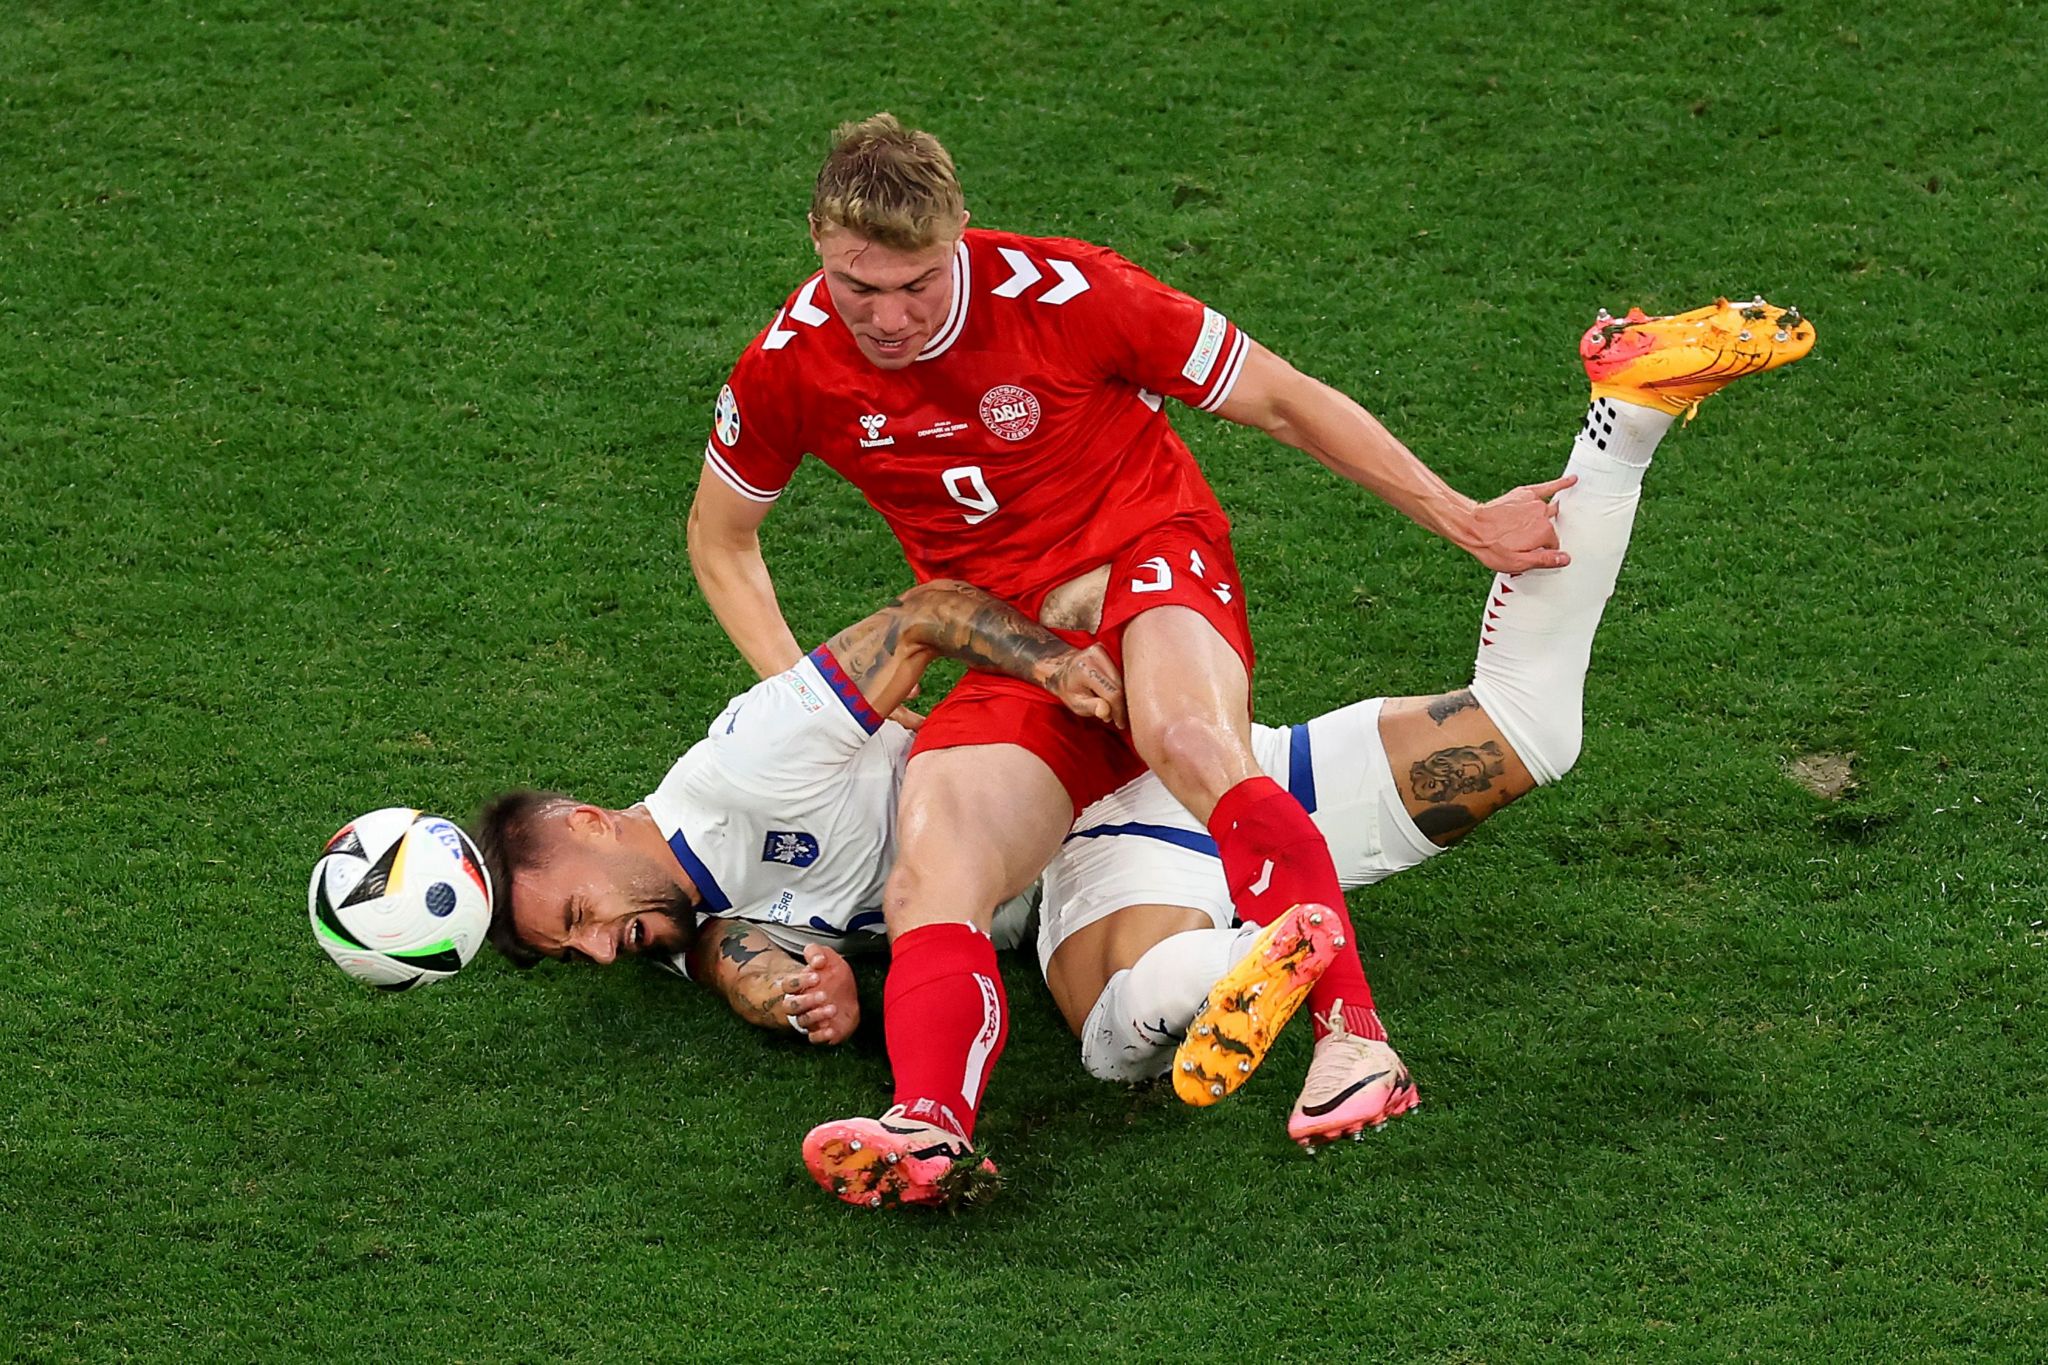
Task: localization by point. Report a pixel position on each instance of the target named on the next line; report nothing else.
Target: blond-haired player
(999, 399)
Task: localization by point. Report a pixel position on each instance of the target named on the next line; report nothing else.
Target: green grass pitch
(355, 361)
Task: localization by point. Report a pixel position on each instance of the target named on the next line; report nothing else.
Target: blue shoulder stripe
(713, 899)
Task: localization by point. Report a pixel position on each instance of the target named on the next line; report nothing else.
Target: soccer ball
(400, 899)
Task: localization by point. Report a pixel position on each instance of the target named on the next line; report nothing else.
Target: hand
(906, 717)
(1517, 531)
(821, 1001)
(1088, 682)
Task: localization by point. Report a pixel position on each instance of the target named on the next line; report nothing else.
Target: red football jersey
(1026, 443)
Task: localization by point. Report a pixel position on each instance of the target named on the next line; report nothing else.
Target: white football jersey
(784, 814)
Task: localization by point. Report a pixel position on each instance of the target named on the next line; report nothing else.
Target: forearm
(734, 579)
(741, 966)
(959, 621)
(1342, 435)
(886, 654)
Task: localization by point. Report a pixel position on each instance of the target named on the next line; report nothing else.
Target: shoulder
(1050, 272)
(793, 339)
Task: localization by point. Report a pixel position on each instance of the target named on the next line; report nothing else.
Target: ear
(589, 822)
(817, 244)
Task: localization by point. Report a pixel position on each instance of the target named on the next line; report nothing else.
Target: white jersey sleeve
(784, 814)
(792, 734)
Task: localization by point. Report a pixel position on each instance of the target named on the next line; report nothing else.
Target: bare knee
(915, 896)
(1197, 758)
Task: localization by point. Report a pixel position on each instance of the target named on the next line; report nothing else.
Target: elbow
(697, 533)
(1300, 399)
(1289, 404)
(693, 534)
(710, 545)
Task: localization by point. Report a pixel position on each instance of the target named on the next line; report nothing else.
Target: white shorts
(1139, 846)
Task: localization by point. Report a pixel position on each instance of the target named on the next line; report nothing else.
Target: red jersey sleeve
(1152, 335)
(755, 445)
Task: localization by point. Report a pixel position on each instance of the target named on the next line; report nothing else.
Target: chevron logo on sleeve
(1024, 273)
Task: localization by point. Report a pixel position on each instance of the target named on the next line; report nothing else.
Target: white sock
(1537, 636)
(1145, 1010)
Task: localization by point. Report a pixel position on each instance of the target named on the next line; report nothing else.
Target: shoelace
(1329, 1066)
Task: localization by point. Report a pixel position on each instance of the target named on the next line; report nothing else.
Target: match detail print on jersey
(1198, 367)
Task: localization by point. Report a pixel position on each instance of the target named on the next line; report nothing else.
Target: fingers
(1522, 561)
(810, 1011)
(811, 1001)
(1553, 488)
(826, 1023)
(906, 718)
(1107, 706)
(1102, 677)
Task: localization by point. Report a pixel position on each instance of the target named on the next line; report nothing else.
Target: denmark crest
(1009, 412)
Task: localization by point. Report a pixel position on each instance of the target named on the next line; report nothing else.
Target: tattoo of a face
(1458, 771)
(1450, 704)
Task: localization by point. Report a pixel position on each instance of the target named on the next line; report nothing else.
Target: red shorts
(1175, 564)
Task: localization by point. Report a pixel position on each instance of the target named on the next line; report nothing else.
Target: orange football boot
(1249, 1004)
(1671, 363)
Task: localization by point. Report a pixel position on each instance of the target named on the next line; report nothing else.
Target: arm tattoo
(865, 646)
(734, 947)
(965, 623)
(754, 984)
(1450, 704)
(1458, 771)
(1441, 824)
(956, 620)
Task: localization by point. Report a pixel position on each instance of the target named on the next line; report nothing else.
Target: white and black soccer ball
(400, 898)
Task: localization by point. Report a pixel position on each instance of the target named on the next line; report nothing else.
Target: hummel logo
(872, 424)
(1265, 879)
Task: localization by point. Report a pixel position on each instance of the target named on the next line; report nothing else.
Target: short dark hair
(508, 835)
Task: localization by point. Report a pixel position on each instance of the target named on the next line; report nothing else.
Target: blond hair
(890, 184)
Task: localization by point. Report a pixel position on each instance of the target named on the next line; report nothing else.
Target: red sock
(1274, 858)
(944, 1018)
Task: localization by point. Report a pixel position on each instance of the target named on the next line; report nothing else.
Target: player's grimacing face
(600, 905)
(894, 302)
